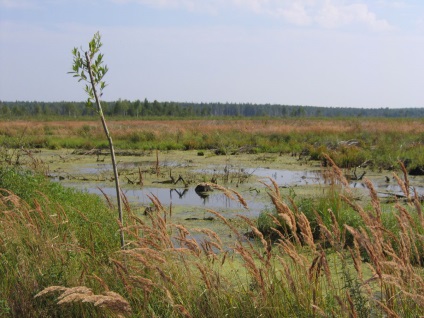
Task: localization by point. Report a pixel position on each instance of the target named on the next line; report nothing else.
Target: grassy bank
(60, 257)
(350, 142)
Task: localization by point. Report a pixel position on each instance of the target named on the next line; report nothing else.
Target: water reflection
(189, 197)
(182, 196)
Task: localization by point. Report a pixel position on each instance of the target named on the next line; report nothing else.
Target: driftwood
(208, 218)
(172, 180)
(354, 176)
(140, 178)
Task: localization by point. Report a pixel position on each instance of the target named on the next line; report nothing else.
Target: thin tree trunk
(112, 151)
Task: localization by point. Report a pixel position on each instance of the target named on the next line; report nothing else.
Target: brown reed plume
(229, 193)
(109, 300)
(399, 281)
(283, 210)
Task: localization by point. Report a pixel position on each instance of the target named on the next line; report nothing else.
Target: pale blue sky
(299, 52)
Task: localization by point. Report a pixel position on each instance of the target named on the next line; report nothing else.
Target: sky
(336, 53)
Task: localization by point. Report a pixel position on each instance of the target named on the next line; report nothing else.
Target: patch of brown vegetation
(269, 126)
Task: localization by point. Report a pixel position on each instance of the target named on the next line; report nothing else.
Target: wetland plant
(53, 238)
(88, 67)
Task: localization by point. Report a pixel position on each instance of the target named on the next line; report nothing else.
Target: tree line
(145, 108)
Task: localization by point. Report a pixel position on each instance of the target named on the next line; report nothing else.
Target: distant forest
(145, 108)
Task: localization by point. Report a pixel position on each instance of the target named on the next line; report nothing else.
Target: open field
(350, 142)
(334, 254)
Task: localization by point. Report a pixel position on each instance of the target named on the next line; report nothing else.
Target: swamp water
(245, 180)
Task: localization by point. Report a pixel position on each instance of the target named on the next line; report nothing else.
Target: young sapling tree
(88, 67)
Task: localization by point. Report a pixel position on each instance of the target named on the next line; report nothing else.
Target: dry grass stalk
(169, 297)
(145, 283)
(212, 235)
(182, 310)
(364, 215)
(283, 210)
(291, 251)
(112, 301)
(122, 271)
(250, 265)
(363, 239)
(418, 208)
(224, 257)
(108, 200)
(356, 257)
(205, 275)
(125, 201)
(274, 220)
(230, 226)
(166, 278)
(315, 269)
(404, 240)
(101, 281)
(275, 189)
(335, 228)
(151, 254)
(139, 258)
(155, 202)
(228, 193)
(325, 233)
(339, 173)
(257, 233)
(318, 311)
(405, 216)
(352, 313)
(374, 199)
(305, 230)
(389, 312)
(208, 249)
(240, 199)
(402, 185)
(182, 230)
(405, 178)
(109, 300)
(409, 237)
(326, 268)
(288, 275)
(50, 289)
(191, 244)
(341, 304)
(417, 297)
(319, 264)
(38, 209)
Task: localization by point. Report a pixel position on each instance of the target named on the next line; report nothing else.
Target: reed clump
(169, 270)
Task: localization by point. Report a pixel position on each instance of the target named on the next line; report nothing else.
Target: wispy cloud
(191, 5)
(324, 13)
(394, 4)
(331, 16)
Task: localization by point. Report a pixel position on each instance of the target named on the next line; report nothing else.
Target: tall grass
(379, 142)
(62, 259)
(49, 234)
